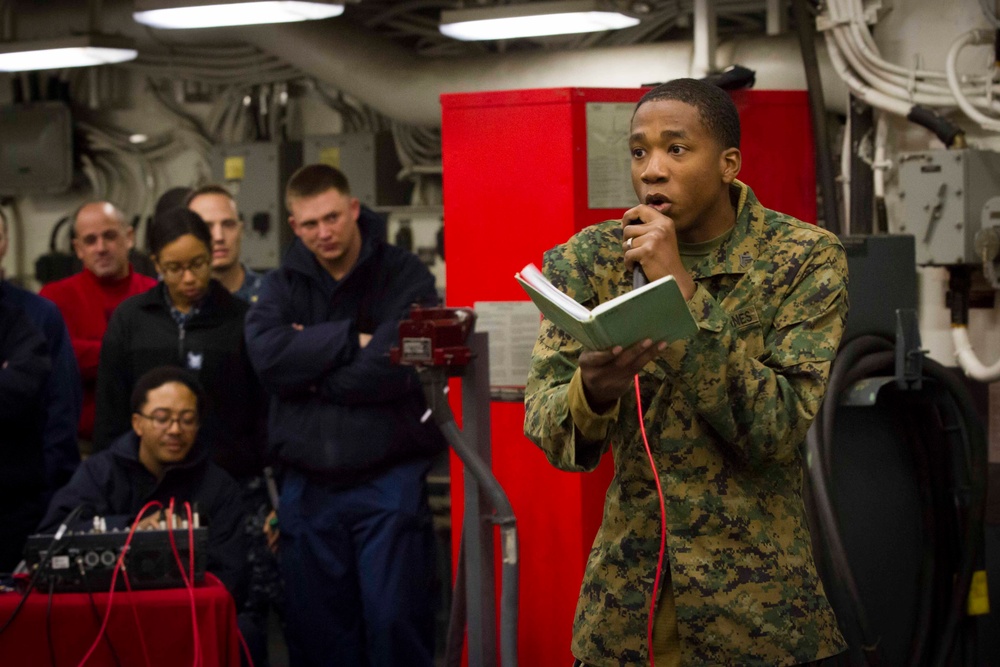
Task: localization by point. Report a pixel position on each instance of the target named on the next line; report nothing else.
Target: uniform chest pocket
(745, 319)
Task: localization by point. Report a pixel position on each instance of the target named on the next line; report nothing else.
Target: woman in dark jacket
(191, 321)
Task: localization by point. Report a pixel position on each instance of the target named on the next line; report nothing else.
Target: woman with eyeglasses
(192, 321)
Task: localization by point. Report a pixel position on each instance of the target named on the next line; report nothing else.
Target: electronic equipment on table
(84, 561)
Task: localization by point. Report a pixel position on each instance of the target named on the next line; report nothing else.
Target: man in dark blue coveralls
(356, 541)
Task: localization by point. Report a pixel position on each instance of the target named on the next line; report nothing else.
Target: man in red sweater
(102, 240)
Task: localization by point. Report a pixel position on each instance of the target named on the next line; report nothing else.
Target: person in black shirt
(161, 458)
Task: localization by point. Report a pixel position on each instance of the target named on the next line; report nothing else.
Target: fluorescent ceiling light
(77, 51)
(174, 14)
(532, 19)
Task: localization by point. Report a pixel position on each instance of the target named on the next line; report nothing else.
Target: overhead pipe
(706, 38)
(407, 87)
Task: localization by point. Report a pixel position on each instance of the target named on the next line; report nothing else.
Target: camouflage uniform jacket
(726, 412)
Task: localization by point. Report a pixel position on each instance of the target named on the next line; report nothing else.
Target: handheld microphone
(638, 275)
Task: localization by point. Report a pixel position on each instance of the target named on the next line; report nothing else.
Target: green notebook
(656, 310)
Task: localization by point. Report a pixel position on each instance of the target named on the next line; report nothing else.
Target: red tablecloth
(164, 620)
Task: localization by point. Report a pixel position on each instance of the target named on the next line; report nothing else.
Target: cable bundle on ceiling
(908, 92)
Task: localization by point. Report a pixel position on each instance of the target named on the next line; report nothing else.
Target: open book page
(553, 309)
(531, 275)
(656, 311)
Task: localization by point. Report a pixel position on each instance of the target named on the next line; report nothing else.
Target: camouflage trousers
(832, 661)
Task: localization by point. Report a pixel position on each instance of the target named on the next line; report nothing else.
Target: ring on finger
(628, 243)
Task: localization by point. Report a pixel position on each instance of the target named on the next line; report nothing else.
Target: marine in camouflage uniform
(725, 412)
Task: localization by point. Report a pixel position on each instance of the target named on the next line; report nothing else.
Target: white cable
(862, 90)
(880, 165)
(846, 175)
(867, 47)
(880, 83)
(90, 171)
(850, 38)
(968, 360)
(951, 69)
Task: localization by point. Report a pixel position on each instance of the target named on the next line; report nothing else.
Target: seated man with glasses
(159, 459)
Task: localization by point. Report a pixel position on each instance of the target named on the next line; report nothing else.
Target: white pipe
(407, 88)
(846, 173)
(869, 50)
(968, 360)
(862, 90)
(951, 69)
(777, 17)
(879, 82)
(706, 40)
(851, 34)
(879, 164)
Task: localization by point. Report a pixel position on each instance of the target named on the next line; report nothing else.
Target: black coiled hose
(868, 356)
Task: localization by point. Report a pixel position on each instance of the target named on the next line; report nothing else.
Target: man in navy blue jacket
(356, 541)
(161, 459)
(24, 371)
(63, 390)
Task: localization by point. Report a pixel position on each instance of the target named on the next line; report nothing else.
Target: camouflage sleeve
(761, 405)
(552, 398)
(548, 421)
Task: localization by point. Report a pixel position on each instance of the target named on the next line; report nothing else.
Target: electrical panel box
(873, 263)
(36, 148)
(421, 231)
(369, 161)
(945, 194)
(256, 174)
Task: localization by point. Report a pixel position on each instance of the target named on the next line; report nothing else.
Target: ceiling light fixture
(532, 19)
(179, 14)
(76, 51)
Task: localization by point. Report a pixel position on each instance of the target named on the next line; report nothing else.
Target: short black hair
(161, 375)
(170, 225)
(716, 108)
(315, 179)
(172, 198)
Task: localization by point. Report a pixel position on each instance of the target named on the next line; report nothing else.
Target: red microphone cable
(190, 522)
(663, 521)
(114, 577)
(188, 584)
(135, 617)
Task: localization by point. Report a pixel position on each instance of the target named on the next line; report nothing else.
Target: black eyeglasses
(187, 420)
(176, 270)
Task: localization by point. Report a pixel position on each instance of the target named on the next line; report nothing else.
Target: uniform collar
(741, 249)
